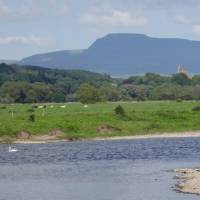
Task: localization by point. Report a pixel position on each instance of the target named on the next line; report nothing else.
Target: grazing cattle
(85, 106)
(40, 107)
(51, 106)
(64, 106)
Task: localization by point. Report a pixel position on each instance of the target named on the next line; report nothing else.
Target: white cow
(64, 106)
(85, 106)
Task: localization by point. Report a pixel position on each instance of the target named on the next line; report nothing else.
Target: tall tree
(88, 94)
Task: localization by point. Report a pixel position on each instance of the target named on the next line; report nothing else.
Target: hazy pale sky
(34, 26)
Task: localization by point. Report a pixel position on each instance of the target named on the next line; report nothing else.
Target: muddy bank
(189, 181)
(60, 138)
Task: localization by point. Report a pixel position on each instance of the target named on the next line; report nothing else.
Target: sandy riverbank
(152, 136)
(189, 181)
(47, 139)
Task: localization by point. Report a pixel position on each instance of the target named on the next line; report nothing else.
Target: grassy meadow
(75, 121)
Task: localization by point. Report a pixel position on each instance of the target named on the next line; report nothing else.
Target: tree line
(29, 84)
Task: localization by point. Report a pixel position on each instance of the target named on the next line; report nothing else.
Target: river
(97, 170)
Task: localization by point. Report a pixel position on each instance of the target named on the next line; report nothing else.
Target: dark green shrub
(3, 107)
(88, 94)
(196, 108)
(179, 100)
(119, 110)
(140, 98)
(30, 110)
(32, 118)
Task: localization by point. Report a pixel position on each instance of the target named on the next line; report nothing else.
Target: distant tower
(181, 70)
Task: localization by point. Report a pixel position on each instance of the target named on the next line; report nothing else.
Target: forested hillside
(23, 84)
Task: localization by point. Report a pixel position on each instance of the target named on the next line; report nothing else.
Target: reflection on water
(102, 170)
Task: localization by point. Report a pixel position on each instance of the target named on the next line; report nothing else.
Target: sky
(30, 27)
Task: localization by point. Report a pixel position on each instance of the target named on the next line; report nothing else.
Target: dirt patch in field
(23, 135)
(56, 133)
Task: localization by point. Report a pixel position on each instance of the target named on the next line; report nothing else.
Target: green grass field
(79, 122)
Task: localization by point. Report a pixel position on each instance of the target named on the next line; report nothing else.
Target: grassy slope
(77, 121)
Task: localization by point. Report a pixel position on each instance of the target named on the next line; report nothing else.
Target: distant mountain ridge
(122, 54)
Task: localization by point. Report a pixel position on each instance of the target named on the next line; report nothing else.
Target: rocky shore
(189, 181)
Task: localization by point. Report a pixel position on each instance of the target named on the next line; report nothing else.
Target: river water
(97, 170)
